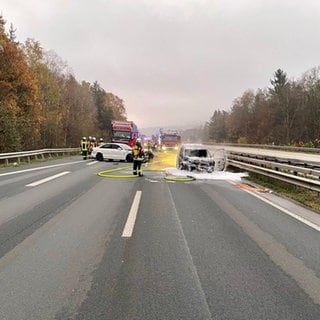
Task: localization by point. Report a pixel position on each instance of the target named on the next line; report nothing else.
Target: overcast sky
(174, 62)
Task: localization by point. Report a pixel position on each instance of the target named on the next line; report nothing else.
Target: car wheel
(99, 157)
(129, 158)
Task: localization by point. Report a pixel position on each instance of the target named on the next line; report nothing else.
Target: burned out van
(197, 157)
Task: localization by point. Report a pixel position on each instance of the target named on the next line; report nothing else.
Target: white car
(112, 151)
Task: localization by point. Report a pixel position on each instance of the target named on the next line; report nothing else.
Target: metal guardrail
(269, 146)
(35, 154)
(279, 168)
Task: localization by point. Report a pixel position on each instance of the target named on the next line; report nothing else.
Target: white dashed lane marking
(36, 183)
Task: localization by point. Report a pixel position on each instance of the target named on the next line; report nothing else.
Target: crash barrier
(303, 174)
(17, 157)
(266, 147)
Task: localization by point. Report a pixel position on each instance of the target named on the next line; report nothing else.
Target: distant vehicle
(113, 151)
(124, 132)
(197, 157)
(169, 140)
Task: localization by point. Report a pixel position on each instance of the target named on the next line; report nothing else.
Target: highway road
(75, 245)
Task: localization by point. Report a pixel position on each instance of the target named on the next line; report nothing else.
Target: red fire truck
(169, 139)
(124, 132)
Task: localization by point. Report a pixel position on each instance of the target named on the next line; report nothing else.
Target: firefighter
(150, 153)
(92, 144)
(138, 155)
(101, 142)
(84, 147)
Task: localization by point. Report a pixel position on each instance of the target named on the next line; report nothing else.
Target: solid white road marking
(36, 183)
(295, 216)
(128, 228)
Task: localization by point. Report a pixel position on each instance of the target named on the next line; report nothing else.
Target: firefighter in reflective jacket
(138, 155)
(101, 142)
(84, 147)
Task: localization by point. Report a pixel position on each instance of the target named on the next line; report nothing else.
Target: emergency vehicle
(124, 132)
(169, 139)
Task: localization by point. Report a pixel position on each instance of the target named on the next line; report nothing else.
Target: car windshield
(171, 138)
(125, 135)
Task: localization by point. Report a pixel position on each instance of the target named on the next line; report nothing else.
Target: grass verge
(308, 198)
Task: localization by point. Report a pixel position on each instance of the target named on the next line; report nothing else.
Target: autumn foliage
(42, 105)
(286, 113)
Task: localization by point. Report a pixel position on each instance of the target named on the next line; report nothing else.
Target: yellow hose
(108, 173)
(180, 179)
(164, 160)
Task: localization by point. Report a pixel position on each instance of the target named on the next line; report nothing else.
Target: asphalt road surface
(75, 245)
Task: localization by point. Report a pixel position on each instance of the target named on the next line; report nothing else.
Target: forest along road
(75, 245)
